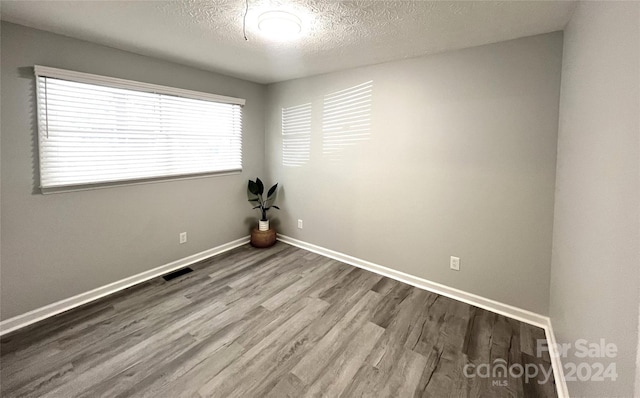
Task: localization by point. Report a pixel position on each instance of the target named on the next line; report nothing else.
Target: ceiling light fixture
(279, 25)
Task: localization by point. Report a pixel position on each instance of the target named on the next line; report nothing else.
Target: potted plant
(255, 189)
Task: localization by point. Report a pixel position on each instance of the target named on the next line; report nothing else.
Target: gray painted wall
(57, 246)
(596, 255)
(460, 161)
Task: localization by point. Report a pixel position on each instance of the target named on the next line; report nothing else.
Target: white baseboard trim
(50, 310)
(556, 362)
(507, 310)
(460, 295)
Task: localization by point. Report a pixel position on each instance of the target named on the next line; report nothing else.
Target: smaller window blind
(95, 130)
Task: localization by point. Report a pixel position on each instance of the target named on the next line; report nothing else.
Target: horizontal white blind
(100, 133)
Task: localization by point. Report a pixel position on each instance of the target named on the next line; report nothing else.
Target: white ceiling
(207, 34)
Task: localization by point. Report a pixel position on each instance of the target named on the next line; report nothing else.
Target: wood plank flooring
(277, 322)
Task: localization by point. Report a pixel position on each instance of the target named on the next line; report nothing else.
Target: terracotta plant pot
(263, 238)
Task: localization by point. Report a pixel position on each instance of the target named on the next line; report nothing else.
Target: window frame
(86, 78)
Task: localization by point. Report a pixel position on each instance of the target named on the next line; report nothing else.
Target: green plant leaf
(273, 194)
(257, 207)
(254, 200)
(253, 187)
(272, 190)
(260, 186)
(276, 207)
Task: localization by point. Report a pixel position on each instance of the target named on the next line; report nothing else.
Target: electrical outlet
(183, 237)
(299, 224)
(454, 263)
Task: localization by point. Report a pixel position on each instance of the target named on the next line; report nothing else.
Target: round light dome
(279, 25)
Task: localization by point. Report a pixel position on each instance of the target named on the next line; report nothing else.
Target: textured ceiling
(336, 34)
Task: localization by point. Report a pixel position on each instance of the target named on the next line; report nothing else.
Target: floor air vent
(177, 273)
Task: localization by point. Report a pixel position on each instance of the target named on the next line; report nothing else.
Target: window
(96, 130)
